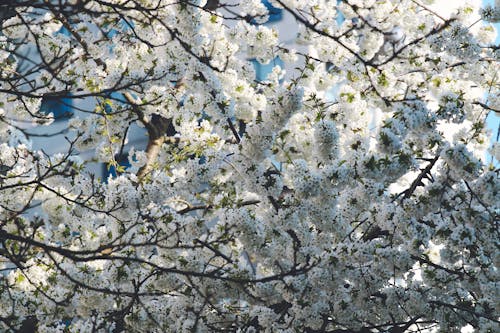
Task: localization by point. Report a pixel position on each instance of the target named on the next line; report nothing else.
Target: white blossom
(350, 190)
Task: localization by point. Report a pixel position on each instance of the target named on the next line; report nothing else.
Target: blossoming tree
(274, 207)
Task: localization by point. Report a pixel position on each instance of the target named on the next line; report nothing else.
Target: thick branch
(418, 181)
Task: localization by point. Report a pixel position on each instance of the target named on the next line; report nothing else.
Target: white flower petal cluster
(350, 191)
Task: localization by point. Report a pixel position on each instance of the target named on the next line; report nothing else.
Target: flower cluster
(347, 192)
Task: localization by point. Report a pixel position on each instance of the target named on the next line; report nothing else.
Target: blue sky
(493, 121)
